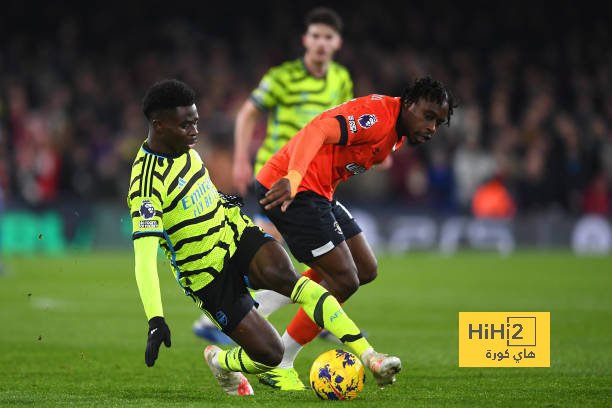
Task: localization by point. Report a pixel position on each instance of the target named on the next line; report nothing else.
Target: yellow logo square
(504, 339)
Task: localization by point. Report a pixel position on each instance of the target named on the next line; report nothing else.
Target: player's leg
(329, 267)
(367, 270)
(270, 301)
(259, 349)
(300, 331)
(271, 269)
(260, 346)
(362, 253)
(363, 256)
(301, 328)
(228, 302)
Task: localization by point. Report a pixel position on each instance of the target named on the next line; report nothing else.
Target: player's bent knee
(343, 288)
(367, 268)
(367, 275)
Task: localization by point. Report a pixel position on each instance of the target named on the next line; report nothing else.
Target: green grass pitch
(73, 333)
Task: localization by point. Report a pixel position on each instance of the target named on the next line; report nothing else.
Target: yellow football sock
(327, 313)
(237, 359)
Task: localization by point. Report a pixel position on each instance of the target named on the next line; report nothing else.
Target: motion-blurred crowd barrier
(584, 235)
(56, 231)
(105, 227)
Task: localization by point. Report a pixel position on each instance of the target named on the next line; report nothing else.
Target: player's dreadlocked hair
(325, 16)
(432, 90)
(167, 94)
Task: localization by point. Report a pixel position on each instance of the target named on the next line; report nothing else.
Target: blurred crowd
(533, 131)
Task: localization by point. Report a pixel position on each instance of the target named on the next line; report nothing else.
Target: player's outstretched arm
(145, 252)
(242, 170)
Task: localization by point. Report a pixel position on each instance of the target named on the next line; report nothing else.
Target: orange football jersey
(368, 133)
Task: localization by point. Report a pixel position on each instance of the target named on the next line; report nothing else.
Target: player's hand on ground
(242, 172)
(158, 332)
(279, 194)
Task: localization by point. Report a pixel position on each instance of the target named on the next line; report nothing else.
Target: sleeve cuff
(295, 178)
(142, 234)
(258, 104)
(343, 130)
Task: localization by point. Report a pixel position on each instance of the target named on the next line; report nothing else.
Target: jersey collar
(147, 149)
(310, 73)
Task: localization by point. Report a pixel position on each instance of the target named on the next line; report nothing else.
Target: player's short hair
(324, 15)
(167, 94)
(432, 90)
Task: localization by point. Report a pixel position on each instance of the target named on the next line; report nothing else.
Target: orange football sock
(302, 329)
(312, 275)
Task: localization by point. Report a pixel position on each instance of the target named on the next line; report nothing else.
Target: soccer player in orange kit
(295, 188)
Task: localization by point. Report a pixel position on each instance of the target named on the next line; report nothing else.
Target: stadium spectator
(492, 200)
(597, 197)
